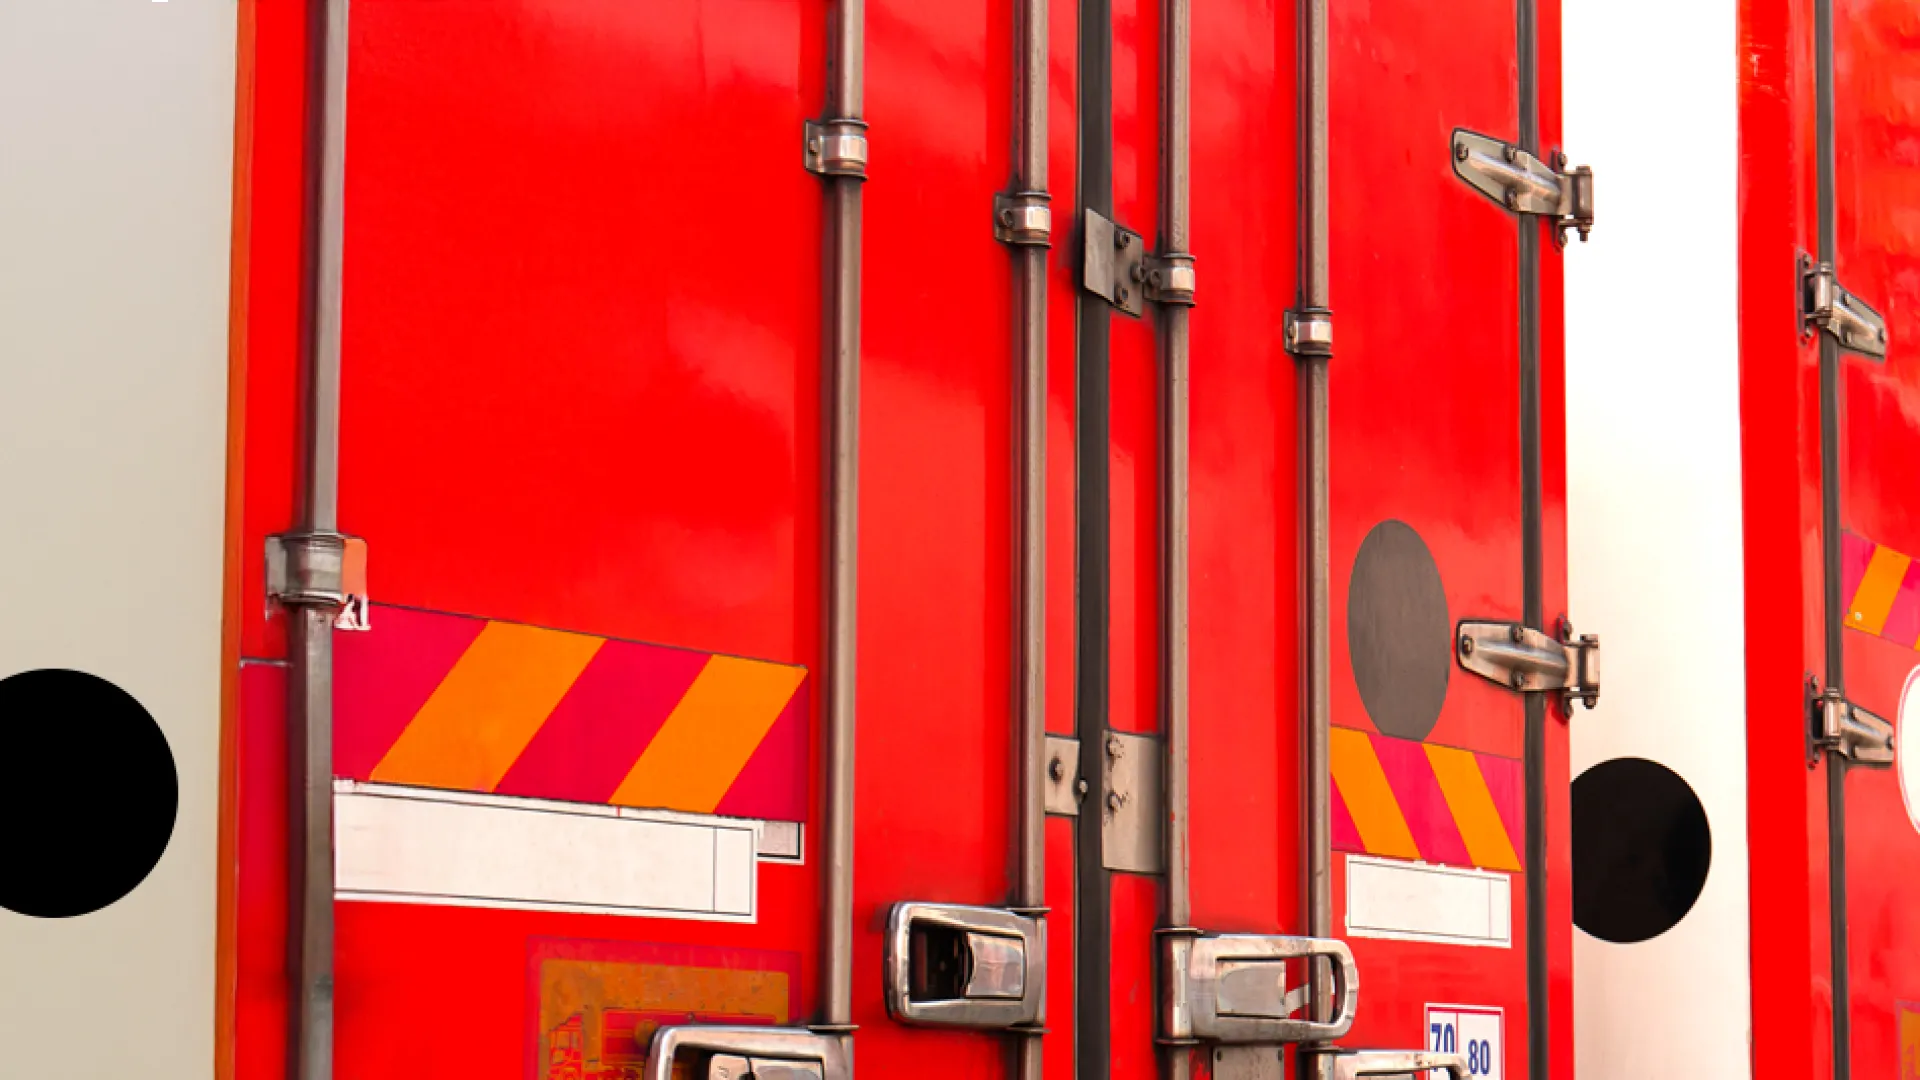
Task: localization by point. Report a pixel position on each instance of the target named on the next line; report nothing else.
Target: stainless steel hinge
(1527, 660)
(949, 965)
(1065, 788)
(1233, 988)
(320, 569)
(1841, 727)
(1131, 798)
(1826, 305)
(1308, 332)
(1023, 218)
(1117, 267)
(1526, 185)
(739, 1053)
(837, 148)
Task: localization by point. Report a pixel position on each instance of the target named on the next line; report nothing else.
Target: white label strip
(1419, 902)
(412, 845)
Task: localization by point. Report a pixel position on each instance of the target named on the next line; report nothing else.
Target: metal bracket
(1524, 659)
(1309, 332)
(1232, 988)
(969, 967)
(1065, 788)
(1130, 805)
(1826, 305)
(1333, 1063)
(1023, 218)
(1841, 727)
(1524, 184)
(320, 569)
(1114, 264)
(837, 148)
(1170, 278)
(765, 1053)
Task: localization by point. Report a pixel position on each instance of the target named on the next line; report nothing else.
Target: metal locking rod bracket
(764, 1053)
(950, 965)
(1841, 727)
(836, 148)
(1333, 1063)
(1232, 988)
(1308, 332)
(1524, 184)
(1114, 264)
(1826, 305)
(1023, 218)
(1524, 659)
(320, 569)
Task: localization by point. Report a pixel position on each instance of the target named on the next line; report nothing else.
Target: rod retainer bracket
(837, 148)
(315, 568)
(1023, 218)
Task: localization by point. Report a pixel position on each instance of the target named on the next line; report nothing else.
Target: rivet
(1056, 770)
(1516, 633)
(1115, 749)
(1512, 153)
(813, 146)
(1466, 646)
(1513, 199)
(1080, 786)
(1006, 217)
(1519, 680)
(1114, 801)
(1123, 294)
(1461, 152)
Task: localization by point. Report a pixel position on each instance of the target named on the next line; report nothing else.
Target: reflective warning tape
(1413, 800)
(452, 702)
(1884, 587)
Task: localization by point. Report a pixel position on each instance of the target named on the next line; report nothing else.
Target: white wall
(116, 136)
(1654, 502)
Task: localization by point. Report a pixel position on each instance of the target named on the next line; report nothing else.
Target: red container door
(1874, 246)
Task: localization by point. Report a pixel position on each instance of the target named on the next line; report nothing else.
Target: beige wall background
(116, 146)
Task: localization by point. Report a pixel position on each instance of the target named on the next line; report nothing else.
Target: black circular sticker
(88, 793)
(1641, 848)
(1399, 640)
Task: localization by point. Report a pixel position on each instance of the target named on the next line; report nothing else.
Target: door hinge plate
(1114, 266)
(1065, 788)
(1524, 184)
(1826, 305)
(1526, 660)
(1130, 802)
(1841, 727)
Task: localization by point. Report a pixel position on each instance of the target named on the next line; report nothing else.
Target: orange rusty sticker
(594, 1005)
(1909, 1041)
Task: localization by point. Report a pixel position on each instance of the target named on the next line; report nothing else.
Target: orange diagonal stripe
(1879, 586)
(1465, 787)
(1370, 802)
(483, 714)
(712, 732)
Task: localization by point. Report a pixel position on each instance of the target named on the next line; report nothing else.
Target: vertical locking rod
(310, 617)
(1030, 305)
(1174, 241)
(1314, 298)
(846, 64)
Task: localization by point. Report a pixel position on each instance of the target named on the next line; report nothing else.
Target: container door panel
(1878, 259)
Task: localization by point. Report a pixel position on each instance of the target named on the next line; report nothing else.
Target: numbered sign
(1475, 1032)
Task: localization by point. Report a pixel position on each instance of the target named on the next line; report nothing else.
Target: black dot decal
(1641, 848)
(88, 793)
(1398, 636)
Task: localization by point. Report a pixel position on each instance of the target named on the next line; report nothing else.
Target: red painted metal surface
(1876, 128)
(1780, 489)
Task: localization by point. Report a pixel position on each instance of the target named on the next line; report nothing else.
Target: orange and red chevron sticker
(1413, 800)
(1883, 587)
(448, 701)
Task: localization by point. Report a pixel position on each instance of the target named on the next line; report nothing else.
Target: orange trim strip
(1879, 587)
(710, 735)
(1472, 805)
(1369, 798)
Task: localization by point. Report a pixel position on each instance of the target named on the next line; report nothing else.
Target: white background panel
(116, 160)
(1653, 515)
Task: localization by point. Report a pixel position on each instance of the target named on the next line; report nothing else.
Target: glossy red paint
(1780, 490)
(1426, 415)
(1876, 126)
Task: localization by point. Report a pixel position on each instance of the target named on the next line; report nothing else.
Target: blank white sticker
(1475, 1032)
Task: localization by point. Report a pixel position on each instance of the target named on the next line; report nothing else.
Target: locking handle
(1333, 1063)
(1232, 988)
(950, 965)
(771, 1053)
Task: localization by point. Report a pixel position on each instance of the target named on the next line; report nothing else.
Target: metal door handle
(954, 966)
(1232, 988)
(1332, 1063)
(735, 1053)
